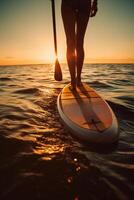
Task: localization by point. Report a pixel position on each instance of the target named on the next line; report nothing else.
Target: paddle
(58, 72)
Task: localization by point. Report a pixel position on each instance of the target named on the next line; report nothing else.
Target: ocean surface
(40, 159)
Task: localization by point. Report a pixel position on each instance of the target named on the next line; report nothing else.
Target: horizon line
(129, 63)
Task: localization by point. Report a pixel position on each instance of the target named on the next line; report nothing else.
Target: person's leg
(69, 19)
(82, 21)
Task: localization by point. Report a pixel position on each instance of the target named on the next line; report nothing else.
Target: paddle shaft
(57, 72)
(54, 26)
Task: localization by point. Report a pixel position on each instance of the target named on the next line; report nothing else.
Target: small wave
(5, 79)
(122, 111)
(9, 108)
(29, 91)
(30, 78)
(100, 84)
(131, 73)
(126, 97)
(1, 90)
(15, 117)
(122, 82)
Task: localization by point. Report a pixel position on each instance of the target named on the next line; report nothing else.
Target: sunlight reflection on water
(34, 143)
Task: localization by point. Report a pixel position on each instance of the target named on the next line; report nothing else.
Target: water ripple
(39, 155)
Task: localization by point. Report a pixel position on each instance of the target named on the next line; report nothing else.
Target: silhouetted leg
(82, 21)
(69, 19)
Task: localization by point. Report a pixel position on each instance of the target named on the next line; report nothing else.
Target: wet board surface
(87, 115)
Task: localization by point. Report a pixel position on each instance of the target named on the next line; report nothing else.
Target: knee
(80, 49)
(71, 45)
(70, 49)
(79, 46)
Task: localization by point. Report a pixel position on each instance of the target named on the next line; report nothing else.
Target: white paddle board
(87, 114)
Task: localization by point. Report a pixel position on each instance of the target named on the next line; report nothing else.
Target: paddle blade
(58, 72)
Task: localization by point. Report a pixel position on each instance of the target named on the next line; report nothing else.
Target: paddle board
(87, 114)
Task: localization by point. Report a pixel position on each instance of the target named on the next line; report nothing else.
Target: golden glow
(51, 149)
(27, 37)
(48, 151)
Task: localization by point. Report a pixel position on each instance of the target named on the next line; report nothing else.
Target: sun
(48, 55)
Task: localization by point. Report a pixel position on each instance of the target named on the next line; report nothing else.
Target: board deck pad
(86, 108)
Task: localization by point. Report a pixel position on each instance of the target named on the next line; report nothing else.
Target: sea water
(40, 159)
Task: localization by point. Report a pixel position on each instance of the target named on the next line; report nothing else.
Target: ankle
(78, 78)
(79, 81)
(73, 83)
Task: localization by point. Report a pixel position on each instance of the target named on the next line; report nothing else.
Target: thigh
(69, 20)
(82, 21)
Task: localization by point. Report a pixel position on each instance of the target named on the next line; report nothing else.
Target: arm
(94, 8)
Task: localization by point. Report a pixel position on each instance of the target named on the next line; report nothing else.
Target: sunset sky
(26, 34)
